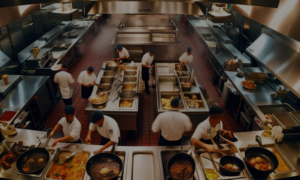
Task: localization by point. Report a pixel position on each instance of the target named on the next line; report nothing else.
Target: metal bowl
(99, 99)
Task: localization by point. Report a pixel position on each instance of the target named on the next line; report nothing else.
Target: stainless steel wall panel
(146, 21)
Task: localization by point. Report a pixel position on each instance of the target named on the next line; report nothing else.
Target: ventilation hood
(280, 55)
(145, 7)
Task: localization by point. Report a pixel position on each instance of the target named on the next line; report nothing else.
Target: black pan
(28, 162)
(99, 161)
(231, 160)
(262, 153)
(178, 158)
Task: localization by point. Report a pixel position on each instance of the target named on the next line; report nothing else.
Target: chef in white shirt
(123, 54)
(64, 79)
(201, 138)
(186, 57)
(146, 68)
(172, 125)
(87, 79)
(70, 125)
(107, 127)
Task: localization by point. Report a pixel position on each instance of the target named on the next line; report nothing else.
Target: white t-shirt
(147, 59)
(201, 130)
(124, 53)
(63, 79)
(186, 58)
(172, 125)
(85, 78)
(73, 129)
(109, 129)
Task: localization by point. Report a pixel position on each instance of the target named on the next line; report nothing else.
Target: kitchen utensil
(96, 163)
(179, 157)
(64, 159)
(263, 153)
(103, 95)
(234, 161)
(240, 72)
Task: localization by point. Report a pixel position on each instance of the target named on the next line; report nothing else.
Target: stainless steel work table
(151, 156)
(22, 93)
(125, 117)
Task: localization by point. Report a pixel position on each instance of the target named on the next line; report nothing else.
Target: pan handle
(181, 150)
(113, 148)
(258, 139)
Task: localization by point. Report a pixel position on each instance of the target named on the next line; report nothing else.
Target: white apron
(66, 92)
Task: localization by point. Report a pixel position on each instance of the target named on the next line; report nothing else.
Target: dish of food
(10, 130)
(166, 102)
(33, 162)
(211, 174)
(282, 167)
(99, 99)
(248, 84)
(228, 135)
(126, 103)
(260, 163)
(194, 97)
(128, 86)
(181, 170)
(7, 159)
(74, 170)
(104, 169)
(231, 167)
(267, 133)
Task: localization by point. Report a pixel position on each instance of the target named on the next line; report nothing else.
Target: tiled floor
(97, 50)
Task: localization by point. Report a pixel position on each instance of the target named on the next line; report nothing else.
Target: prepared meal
(267, 133)
(228, 135)
(249, 84)
(209, 170)
(126, 103)
(194, 97)
(166, 102)
(260, 163)
(98, 99)
(74, 170)
(10, 130)
(195, 104)
(231, 167)
(269, 119)
(38, 159)
(212, 175)
(282, 167)
(8, 159)
(181, 170)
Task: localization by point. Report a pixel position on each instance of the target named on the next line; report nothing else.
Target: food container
(127, 96)
(129, 86)
(129, 79)
(180, 67)
(107, 79)
(183, 73)
(167, 97)
(105, 87)
(111, 65)
(191, 98)
(168, 84)
(130, 73)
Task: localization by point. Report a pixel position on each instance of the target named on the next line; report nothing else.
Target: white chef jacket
(109, 129)
(85, 78)
(201, 130)
(73, 129)
(64, 79)
(172, 124)
(147, 59)
(124, 53)
(186, 58)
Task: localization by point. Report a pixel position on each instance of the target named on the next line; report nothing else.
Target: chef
(172, 125)
(146, 68)
(107, 127)
(64, 79)
(123, 54)
(87, 79)
(186, 57)
(70, 126)
(201, 138)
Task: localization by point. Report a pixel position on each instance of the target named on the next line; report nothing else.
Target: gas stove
(166, 156)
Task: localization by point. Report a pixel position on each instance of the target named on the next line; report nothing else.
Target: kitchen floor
(97, 50)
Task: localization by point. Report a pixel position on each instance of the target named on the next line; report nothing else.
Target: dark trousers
(216, 139)
(104, 140)
(146, 86)
(78, 141)
(163, 142)
(67, 101)
(86, 91)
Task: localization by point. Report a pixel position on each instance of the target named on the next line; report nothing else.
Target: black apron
(86, 91)
(216, 138)
(145, 74)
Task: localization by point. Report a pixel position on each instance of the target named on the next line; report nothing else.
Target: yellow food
(209, 176)
(41, 160)
(282, 167)
(249, 84)
(126, 103)
(128, 86)
(74, 170)
(166, 103)
(209, 170)
(228, 167)
(212, 175)
(267, 133)
(104, 171)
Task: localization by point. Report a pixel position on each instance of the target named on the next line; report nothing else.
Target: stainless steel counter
(21, 94)
(146, 162)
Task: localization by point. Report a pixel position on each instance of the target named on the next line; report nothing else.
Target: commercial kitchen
(234, 64)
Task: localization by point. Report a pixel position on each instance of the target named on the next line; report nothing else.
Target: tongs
(64, 159)
(119, 92)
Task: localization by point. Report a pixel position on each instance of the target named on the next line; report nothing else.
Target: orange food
(260, 164)
(249, 84)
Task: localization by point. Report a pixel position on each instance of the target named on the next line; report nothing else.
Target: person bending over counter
(123, 54)
(201, 138)
(70, 126)
(107, 127)
(186, 57)
(172, 125)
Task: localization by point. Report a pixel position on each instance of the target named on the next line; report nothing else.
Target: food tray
(183, 73)
(59, 154)
(286, 120)
(143, 166)
(199, 100)
(296, 115)
(168, 95)
(207, 164)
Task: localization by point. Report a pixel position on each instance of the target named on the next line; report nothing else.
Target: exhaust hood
(280, 55)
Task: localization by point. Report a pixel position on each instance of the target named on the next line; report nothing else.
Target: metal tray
(286, 120)
(296, 115)
(270, 109)
(183, 73)
(130, 79)
(200, 99)
(168, 95)
(131, 85)
(130, 73)
(143, 166)
(169, 79)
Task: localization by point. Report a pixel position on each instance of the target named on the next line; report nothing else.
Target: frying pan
(33, 153)
(93, 168)
(231, 160)
(181, 156)
(253, 152)
(102, 94)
